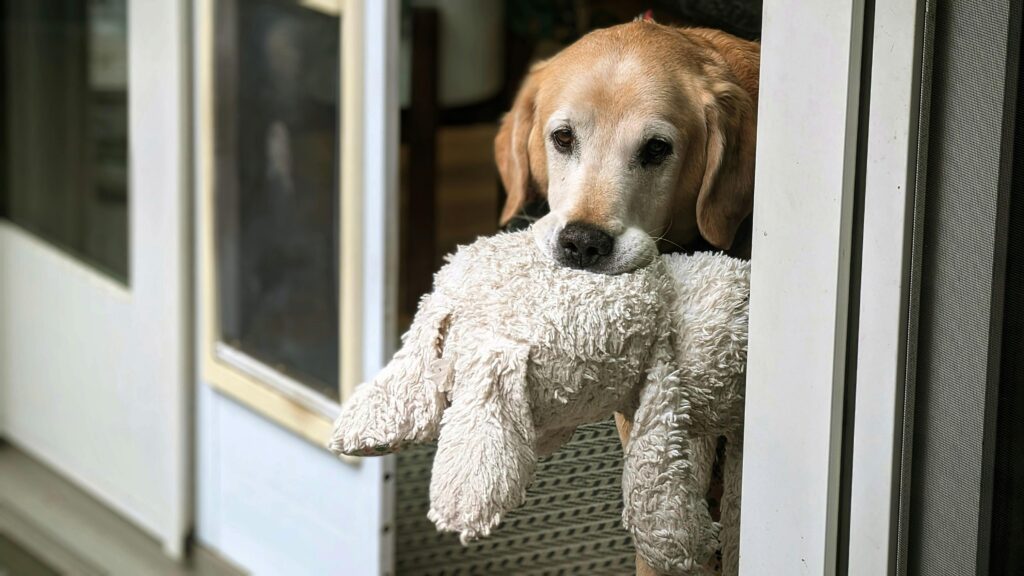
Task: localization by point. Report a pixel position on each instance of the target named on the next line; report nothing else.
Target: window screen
(963, 288)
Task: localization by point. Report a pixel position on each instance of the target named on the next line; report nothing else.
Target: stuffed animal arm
(511, 352)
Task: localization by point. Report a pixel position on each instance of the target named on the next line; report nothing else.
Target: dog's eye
(654, 151)
(563, 139)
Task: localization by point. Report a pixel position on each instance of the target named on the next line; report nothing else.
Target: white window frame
(367, 215)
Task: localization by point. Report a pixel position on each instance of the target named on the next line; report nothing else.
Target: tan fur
(702, 82)
(513, 153)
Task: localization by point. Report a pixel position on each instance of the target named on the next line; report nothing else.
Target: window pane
(277, 186)
(65, 132)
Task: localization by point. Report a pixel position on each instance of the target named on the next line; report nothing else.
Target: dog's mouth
(586, 247)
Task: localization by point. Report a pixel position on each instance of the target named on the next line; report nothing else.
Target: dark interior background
(449, 183)
(1007, 551)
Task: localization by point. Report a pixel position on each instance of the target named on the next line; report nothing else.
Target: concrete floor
(53, 527)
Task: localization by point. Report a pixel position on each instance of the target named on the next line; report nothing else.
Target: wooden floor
(58, 524)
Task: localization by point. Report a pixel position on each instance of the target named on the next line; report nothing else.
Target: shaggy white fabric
(671, 450)
(511, 352)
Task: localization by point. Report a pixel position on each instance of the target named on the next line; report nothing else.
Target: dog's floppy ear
(726, 195)
(516, 148)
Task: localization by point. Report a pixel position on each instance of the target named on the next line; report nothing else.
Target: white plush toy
(511, 352)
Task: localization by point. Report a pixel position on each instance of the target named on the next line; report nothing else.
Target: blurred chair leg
(420, 240)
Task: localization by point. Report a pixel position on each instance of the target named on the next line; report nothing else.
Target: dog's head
(636, 134)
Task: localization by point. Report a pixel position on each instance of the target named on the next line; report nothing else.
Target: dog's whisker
(662, 236)
(673, 243)
(668, 228)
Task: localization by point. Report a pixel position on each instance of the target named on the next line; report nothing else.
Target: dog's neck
(740, 246)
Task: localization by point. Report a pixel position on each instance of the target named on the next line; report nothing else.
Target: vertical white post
(890, 184)
(807, 136)
(380, 213)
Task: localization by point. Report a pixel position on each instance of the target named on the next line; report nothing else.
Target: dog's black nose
(582, 245)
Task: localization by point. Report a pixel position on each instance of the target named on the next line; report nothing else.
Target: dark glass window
(277, 138)
(65, 126)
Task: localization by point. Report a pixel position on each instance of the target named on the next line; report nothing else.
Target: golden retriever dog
(641, 137)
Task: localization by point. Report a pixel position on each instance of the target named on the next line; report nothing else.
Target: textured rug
(570, 524)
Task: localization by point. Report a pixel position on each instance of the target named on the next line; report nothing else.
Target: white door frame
(807, 137)
(380, 242)
(893, 195)
(93, 374)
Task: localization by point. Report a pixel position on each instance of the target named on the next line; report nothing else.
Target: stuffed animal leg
(485, 457)
(665, 479)
(403, 403)
(671, 450)
(732, 473)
